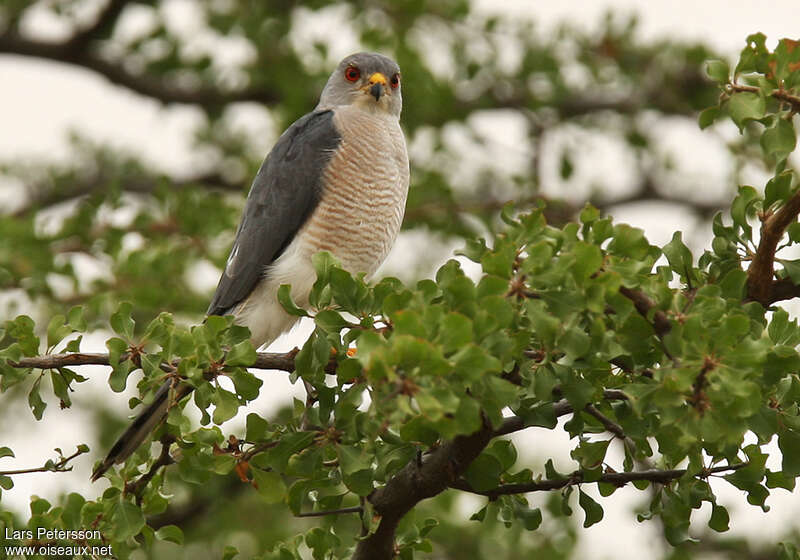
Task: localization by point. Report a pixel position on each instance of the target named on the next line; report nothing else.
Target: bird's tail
(141, 427)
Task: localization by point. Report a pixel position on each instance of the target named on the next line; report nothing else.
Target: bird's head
(369, 80)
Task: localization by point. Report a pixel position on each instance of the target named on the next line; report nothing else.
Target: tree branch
(577, 477)
(164, 459)
(644, 305)
(46, 196)
(79, 54)
(101, 27)
(415, 482)
(50, 466)
(779, 94)
(761, 272)
(354, 509)
(783, 289)
(265, 360)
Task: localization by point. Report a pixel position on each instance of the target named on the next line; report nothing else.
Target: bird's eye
(352, 73)
(395, 81)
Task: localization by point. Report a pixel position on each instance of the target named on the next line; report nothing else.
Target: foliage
(679, 359)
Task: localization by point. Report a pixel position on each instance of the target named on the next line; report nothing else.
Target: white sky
(40, 102)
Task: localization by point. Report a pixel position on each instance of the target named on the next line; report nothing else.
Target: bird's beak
(377, 85)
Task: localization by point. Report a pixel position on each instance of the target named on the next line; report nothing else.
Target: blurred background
(130, 132)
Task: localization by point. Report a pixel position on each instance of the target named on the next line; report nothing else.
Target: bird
(336, 180)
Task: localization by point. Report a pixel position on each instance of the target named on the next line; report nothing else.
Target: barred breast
(365, 189)
(357, 219)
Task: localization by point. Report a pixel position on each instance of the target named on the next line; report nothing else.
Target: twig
(607, 423)
(354, 509)
(49, 466)
(560, 408)
(577, 477)
(164, 459)
(779, 94)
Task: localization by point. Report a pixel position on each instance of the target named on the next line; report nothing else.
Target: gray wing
(285, 192)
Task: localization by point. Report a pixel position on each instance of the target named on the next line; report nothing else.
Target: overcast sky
(40, 102)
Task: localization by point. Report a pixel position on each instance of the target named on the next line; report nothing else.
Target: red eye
(352, 73)
(395, 81)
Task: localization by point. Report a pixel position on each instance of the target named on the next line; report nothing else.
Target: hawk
(336, 180)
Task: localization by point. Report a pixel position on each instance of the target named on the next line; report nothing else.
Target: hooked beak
(377, 85)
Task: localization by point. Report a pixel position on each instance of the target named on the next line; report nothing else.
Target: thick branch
(783, 289)
(417, 481)
(760, 274)
(615, 478)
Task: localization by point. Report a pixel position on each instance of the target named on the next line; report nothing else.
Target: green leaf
(322, 542)
(780, 139)
(718, 70)
(76, 319)
(226, 406)
(230, 552)
(678, 255)
(792, 269)
(778, 189)
(588, 259)
(719, 518)
(127, 519)
(119, 370)
(6, 452)
(57, 330)
(256, 427)
(789, 443)
(35, 401)
(746, 106)
(504, 451)
(590, 454)
(270, 485)
(356, 469)
(788, 551)
(122, 322)
(455, 331)
(484, 472)
(242, 354)
(592, 510)
(171, 533)
(247, 385)
(285, 299)
(708, 116)
(531, 517)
